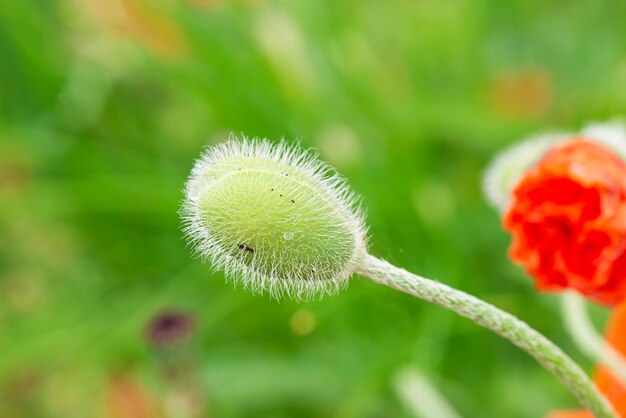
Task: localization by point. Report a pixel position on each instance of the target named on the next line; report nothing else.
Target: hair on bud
(274, 218)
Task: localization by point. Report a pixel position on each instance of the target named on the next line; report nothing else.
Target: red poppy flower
(608, 383)
(568, 221)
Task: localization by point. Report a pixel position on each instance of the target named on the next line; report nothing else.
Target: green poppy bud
(274, 218)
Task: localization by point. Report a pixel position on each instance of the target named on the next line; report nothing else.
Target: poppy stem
(504, 324)
(585, 336)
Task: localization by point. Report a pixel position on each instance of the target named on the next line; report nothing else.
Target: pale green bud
(274, 218)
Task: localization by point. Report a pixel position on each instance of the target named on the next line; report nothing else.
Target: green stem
(584, 334)
(506, 325)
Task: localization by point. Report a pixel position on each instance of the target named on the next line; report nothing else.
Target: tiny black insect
(245, 248)
(293, 201)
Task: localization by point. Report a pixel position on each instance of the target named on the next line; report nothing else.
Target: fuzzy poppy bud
(274, 218)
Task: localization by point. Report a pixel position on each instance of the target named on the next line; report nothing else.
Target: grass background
(105, 104)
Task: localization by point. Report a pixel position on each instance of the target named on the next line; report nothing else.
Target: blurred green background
(105, 104)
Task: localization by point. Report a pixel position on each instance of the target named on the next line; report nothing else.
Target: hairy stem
(506, 325)
(584, 334)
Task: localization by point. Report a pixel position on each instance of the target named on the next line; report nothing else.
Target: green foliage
(105, 105)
